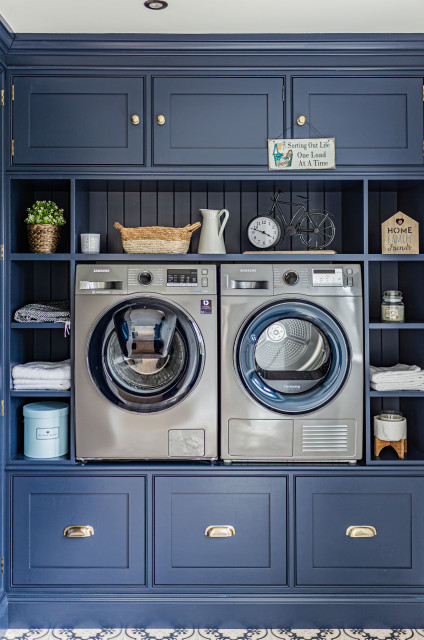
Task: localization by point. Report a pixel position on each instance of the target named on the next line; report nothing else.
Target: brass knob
(161, 119)
(79, 531)
(301, 121)
(361, 531)
(220, 531)
(135, 119)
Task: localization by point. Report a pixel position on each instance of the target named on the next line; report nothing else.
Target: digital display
(181, 277)
(325, 271)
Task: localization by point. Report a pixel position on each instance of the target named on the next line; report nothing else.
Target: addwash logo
(292, 386)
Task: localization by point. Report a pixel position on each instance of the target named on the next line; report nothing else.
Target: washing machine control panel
(181, 278)
(327, 277)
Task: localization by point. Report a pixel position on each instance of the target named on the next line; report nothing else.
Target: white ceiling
(215, 16)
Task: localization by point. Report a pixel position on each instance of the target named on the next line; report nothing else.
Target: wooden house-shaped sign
(399, 235)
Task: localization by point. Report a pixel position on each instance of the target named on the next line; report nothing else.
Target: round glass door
(145, 355)
(293, 357)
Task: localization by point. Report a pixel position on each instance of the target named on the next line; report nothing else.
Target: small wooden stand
(398, 445)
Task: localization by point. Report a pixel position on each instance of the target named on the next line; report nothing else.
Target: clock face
(263, 232)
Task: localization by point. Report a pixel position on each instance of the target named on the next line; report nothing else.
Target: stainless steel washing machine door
(145, 355)
(292, 356)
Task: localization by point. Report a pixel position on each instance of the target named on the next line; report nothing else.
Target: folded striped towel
(42, 371)
(23, 384)
(400, 377)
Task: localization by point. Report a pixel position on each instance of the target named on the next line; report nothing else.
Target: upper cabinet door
(375, 121)
(79, 121)
(215, 121)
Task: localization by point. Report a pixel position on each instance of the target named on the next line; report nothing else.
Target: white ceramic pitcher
(211, 240)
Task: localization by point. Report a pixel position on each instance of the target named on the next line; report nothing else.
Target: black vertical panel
(98, 214)
(182, 203)
(60, 346)
(249, 210)
(115, 213)
(132, 204)
(61, 198)
(375, 291)
(233, 228)
(166, 203)
(351, 233)
(299, 191)
(216, 195)
(410, 201)
(42, 281)
(149, 204)
(199, 200)
(411, 277)
(376, 355)
(374, 230)
(332, 203)
(388, 207)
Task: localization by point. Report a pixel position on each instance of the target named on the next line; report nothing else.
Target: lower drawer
(249, 514)
(111, 508)
(332, 512)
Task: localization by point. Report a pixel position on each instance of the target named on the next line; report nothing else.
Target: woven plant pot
(43, 238)
(156, 239)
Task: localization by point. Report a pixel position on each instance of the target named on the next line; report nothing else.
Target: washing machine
(291, 362)
(145, 362)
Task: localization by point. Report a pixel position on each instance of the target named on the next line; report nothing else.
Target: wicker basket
(156, 239)
(43, 238)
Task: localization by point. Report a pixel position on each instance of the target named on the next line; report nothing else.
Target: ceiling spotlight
(156, 4)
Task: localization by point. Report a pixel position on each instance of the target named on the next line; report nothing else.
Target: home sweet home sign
(399, 235)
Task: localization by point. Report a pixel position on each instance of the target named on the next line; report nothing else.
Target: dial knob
(291, 278)
(145, 278)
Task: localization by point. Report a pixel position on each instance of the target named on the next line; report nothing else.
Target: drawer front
(325, 510)
(254, 507)
(44, 507)
(216, 121)
(77, 120)
(374, 120)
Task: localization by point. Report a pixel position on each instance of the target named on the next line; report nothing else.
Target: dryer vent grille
(321, 438)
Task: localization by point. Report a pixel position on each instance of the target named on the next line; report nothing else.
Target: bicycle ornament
(314, 227)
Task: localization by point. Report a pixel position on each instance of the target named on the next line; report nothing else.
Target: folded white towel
(394, 386)
(400, 372)
(43, 370)
(41, 385)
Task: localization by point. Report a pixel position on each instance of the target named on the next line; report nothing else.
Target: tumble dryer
(145, 362)
(291, 362)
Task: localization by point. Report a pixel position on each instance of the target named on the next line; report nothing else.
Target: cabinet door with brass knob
(220, 530)
(375, 121)
(78, 530)
(78, 120)
(215, 121)
(357, 531)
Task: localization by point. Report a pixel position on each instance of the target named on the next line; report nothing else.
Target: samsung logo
(101, 270)
(247, 270)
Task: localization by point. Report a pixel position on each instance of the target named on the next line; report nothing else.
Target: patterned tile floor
(214, 634)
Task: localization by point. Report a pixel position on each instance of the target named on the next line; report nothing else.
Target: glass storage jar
(392, 307)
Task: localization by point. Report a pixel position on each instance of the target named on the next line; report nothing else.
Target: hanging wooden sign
(399, 235)
(302, 153)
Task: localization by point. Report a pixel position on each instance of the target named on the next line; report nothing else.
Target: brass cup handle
(79, 531)
(161, 119)
(135, 119)
(301, 120)
(362, 531)
(220, 531)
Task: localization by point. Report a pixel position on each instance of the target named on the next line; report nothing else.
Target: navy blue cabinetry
(215, 121)
(376, 121)
(77, 120)
(43, 507)
(252, 551)
(328, 553)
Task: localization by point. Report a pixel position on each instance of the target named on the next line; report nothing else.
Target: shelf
(37, 393)
(223, 258)
(37, 325)
(39, 256)
(396, 394)
(24, 460)
(377, 257)
(396, 325)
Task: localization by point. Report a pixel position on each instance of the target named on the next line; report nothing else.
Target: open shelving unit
(93, 205)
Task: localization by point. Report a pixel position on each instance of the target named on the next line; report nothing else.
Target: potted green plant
(43, 224)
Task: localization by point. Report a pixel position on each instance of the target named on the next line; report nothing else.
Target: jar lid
(393, 294)
(391, 414)
(45, 409)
